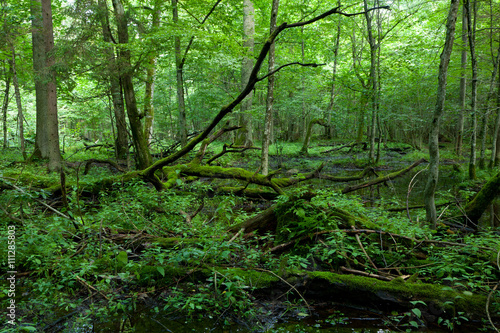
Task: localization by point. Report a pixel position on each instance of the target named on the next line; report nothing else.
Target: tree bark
(495, 156)
(150, 83)
(143, 155)
(330, 128)
(373, 80)
(476, 207)
(471, 25)
(47, 127)
(268, 121)
(307, 138)
(245, 134)
(20, 115)
(179, 64)
(121, 140)
(430, 188)
(463, 85)
(4, 109)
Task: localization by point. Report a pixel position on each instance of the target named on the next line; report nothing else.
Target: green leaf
(417, 312)
(122, 258)
(161, 270)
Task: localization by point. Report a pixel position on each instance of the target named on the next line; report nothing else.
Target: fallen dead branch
(383, 179)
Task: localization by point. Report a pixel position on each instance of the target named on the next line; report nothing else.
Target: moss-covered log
(475, 208)
(382, 179)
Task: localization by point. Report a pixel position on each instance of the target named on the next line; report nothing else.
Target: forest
(250, 166)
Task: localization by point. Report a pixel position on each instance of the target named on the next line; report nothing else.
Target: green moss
(473, 304)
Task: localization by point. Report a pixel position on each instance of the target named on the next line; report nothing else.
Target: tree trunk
(373, 81)
(268, 121)
(150, 82)
(4, 109)
(476, 207)
(47, 129)
(245, 134)
(121, 140)
(463, 85)
(307, 137)
(495, 154)
(472, 45)
(330, 128)
(181, 105)
(143, 155)
(432, 180)
(20, 115)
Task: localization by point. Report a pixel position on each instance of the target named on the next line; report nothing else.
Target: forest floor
(129, 258)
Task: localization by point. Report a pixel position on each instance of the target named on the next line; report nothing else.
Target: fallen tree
(382, 179)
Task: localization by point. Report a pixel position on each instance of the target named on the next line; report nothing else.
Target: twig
(488, 305)
(354, 271)
(410, 187)
(242, 230)
(89, 286)
(363, 249)
(279, 277)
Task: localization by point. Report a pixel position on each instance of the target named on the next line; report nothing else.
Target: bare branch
(290, 64)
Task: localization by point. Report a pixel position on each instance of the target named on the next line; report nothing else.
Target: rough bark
(47, 129)
(39, 63)
(143, 156)
(268, 120)
(430, 188)
(245, 135)
(121, 141)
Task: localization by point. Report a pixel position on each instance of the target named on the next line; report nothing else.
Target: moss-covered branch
(475, 208)
(382, 179)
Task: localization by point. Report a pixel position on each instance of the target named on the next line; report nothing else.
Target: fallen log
(382, 179)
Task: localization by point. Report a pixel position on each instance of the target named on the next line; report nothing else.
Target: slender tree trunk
(121, 140)
(373, 83)
(463, 85)
(181, 105)
(488, 100)
(20, 115)
(150, 84)
(268, 121)
(495, 157)
(472, 45)
(432, 180)
(143, 155)
(330, 128)
(4, 109)
(245, 134)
